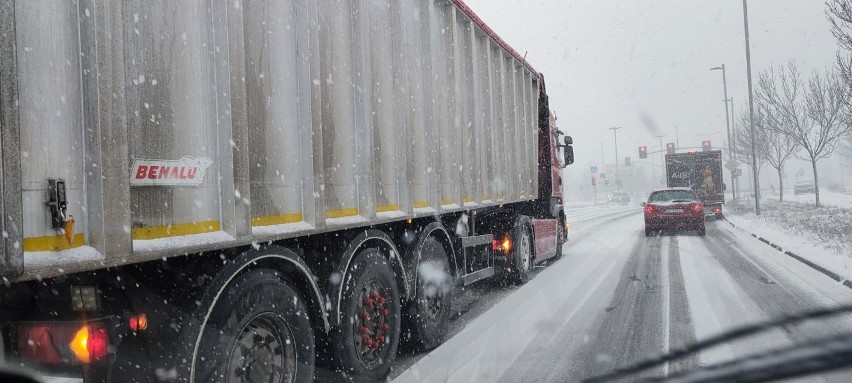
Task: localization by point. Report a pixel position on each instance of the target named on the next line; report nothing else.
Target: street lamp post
(727, 121)
(751, 113)
(662, 157)
(733, 145)
(615, 135)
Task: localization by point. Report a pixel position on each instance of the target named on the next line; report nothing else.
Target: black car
(803, 187)
(619, 198)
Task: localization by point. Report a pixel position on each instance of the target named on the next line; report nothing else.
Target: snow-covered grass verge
(820, 235)
(826, 198)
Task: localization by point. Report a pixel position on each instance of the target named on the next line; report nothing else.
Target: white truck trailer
(219, 190)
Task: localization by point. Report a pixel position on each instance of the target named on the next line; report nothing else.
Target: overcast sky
(644, 65)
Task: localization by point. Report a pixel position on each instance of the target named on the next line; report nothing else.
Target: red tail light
(717, 209)
(649, 208)
(56, 343)
(98, 343)
(698, 208)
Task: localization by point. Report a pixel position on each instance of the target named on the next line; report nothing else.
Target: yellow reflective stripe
(421, 204)
(446, 201)
(53, 242)
(174, 230)
(388, 207)
(276, 219)
(468, 199)
(337, 213)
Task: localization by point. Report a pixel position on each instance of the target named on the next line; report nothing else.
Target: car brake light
(717, 209)
(699, 207)
(649, 208)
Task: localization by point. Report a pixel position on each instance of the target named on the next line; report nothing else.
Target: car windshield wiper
(798, 360)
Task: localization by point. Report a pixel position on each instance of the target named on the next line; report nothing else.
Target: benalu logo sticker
(187, 171)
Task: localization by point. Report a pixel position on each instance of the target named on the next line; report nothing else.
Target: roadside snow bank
(820, 235)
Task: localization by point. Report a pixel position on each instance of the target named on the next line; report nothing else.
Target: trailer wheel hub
(265, 351)
(371, 322)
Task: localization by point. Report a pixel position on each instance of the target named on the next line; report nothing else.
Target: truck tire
(259, 330)
(561, 234)
(431, 308)
(522, 253)
(368, 336)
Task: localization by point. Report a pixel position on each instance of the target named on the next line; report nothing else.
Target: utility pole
(662, 157)
(751, 113)
(677, 138)
(615, 135)
(727, 121)
(733, 146)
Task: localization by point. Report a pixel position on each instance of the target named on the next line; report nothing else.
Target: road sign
(737, 172)
(594, 169)
(731, 165)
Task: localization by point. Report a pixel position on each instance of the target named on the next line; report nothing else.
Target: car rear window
(672, 195)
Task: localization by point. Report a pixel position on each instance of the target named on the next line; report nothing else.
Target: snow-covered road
(617, 297)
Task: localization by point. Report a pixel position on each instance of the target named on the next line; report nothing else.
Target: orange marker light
(138, 322)
(507, 245)
(69, 229)
(79, 345)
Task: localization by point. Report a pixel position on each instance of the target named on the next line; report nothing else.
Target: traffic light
(706, 145)
(643, 152)
(670, 148)
(626, 161)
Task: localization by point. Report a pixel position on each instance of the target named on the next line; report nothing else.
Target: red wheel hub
(371, 322)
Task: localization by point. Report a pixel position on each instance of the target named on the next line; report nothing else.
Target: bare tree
(814, 116)
(839, 14)
(775, 148)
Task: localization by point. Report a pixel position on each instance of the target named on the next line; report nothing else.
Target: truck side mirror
(724, 187)
(569, 156)
(568, 140)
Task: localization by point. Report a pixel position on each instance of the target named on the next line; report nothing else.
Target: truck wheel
(258, 331)
(368, 336)
(522, 254)
(433, 299)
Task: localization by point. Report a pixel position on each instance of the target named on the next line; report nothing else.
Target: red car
(674, 209)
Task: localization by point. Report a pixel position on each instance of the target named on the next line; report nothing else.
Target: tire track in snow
(632, 327)
(681, 330)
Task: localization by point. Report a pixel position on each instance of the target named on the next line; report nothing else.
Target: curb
(814, 266)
